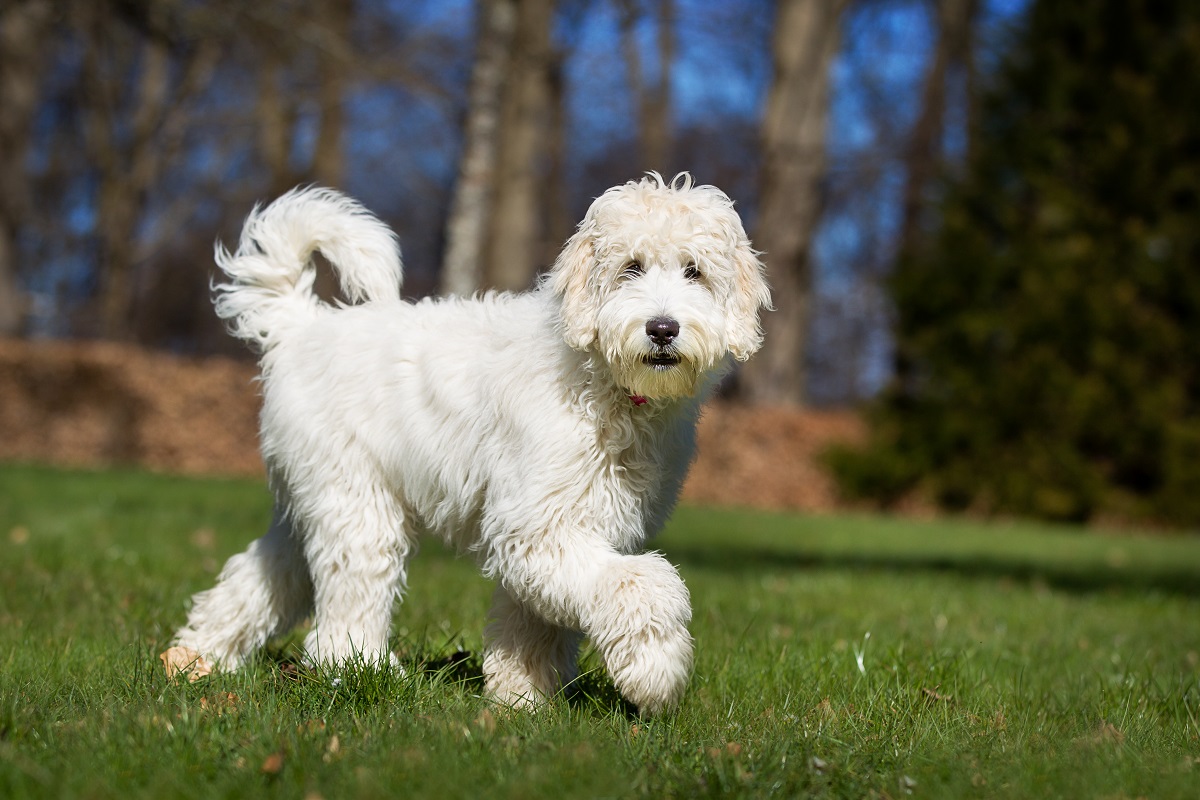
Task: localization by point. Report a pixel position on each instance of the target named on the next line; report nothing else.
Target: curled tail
(271, 275)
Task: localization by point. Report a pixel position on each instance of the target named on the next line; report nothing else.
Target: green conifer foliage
(1048, 332)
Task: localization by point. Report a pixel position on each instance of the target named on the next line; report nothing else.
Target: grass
(836, 657)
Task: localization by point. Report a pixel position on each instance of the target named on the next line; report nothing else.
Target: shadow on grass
(1082, 578)
(593, 690)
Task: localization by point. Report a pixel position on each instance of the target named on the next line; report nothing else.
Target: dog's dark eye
(632, 269)
(691, 273)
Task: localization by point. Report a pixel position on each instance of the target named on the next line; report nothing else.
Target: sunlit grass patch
(840, 657)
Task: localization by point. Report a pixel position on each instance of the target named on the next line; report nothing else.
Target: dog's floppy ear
(571, 280)
(750, 294)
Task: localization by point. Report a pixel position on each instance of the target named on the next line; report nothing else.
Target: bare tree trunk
(557, 209)
(276, 119)
(131, 137)
(652, 102)
(23, 26)
(656, 106)
(470, 209)
(923, 158)
(793, 172)
(515, 228)
(329, 163)
(120, 179)
(631, 55)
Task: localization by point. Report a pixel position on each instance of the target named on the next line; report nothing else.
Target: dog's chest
(639, 458)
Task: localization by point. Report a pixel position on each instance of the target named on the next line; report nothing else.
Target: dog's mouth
(661, 361)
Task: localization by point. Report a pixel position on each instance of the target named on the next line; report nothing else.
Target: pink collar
(637, 400)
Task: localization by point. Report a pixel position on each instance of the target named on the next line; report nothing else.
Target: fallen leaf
(1108, 733)
(824, 709)
(203, 538)
(186, 660)
(220, 703)
(934, 694)
(273, 764)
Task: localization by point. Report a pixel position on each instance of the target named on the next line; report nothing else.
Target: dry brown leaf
(934, 694)
(220, 703)
(203, 538)
(824, 709)
(1108, 733)
(186, 660)
(272, 764)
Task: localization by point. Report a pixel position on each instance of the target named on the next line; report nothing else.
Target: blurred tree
(924, 157)
(497, 223)
(1047, 343)
(652, 98)
(516, 226)
(138, 76)
(24, 28)
(371, 95)
(308, 66)
(471, 208)
(806, 38)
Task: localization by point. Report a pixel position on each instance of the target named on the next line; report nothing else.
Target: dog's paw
(638, 623)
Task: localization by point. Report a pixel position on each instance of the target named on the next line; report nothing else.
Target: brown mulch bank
(768, 457)
(95, 404)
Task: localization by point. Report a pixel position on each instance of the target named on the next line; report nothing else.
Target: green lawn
(836, 657)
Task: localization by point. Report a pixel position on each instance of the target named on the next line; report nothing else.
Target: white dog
(547, 433)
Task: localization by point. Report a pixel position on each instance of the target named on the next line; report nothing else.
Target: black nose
(662, 330)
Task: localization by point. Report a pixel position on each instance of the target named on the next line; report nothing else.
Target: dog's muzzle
(662, 332)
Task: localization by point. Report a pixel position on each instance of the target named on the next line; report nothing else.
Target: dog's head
(660, 279)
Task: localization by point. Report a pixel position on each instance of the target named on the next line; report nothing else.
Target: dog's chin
(659, 376)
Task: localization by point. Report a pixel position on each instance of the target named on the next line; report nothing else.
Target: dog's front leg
(635, 609)
(637, 619)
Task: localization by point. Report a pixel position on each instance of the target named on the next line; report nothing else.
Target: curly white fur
(548, 433)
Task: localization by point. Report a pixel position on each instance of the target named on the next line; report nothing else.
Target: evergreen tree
(1048, 332)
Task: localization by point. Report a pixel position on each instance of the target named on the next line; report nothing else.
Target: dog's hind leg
(261, 592)
(525, 658)
(357, 547)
